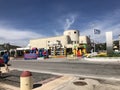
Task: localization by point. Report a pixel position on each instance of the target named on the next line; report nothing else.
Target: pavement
(70, 82)
(107, 59)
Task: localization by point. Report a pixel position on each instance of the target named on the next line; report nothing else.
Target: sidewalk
(56, 84)
(83, 60)
(69, 82)
(106, 59)
(73, 83)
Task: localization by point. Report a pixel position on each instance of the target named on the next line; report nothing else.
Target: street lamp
(119, 42)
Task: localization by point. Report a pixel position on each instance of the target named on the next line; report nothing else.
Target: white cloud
(69, 21)
(57, 33)
(66, 22)
(110, 22)
(17, 37)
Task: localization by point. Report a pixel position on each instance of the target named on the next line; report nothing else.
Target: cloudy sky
(22, 20)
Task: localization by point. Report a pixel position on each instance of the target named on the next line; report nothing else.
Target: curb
(103, 59)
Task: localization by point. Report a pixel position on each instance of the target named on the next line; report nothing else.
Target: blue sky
(22, 20)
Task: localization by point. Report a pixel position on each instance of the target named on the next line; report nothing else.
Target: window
(71, 42)
(48, 41)
(75, 32)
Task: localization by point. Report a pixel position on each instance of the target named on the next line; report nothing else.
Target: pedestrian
(44, 54)
(6, 60)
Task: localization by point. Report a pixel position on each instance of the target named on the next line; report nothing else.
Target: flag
(96, 31)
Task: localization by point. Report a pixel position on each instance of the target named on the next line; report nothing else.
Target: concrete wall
(83, 39)
(66, 40)
(43, 42)
(73, 34)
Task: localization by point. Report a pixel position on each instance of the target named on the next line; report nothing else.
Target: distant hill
(8, 46)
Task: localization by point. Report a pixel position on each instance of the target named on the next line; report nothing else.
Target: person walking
(6, 60)
(44, 54)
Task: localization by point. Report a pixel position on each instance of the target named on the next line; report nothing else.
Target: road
(77, 67)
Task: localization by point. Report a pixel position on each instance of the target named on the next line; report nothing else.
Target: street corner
(57, 83)
(75, 84)
(88, 84)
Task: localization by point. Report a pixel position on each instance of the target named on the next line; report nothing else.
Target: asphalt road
(74, 67)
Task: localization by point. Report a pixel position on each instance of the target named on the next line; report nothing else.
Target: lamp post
(119, 42)
(94, 46)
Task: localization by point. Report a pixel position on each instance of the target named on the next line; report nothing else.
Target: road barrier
(26, 82)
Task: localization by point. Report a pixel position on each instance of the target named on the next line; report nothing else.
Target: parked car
(1, 62)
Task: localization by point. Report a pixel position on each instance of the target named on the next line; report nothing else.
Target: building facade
(70, 39)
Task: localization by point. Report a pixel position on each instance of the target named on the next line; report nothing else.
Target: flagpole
(94, 45)
(94, 39)
(96, 31)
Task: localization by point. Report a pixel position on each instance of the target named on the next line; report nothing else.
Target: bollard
(26, 81)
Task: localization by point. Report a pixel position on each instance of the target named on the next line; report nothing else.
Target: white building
(70, 39)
